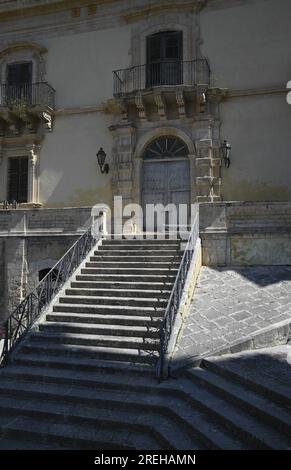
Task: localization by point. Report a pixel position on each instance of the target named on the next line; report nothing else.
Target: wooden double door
(166, 182)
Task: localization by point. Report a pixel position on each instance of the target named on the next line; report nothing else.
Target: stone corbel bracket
(140, 107)
(181, 103)
(160, 103)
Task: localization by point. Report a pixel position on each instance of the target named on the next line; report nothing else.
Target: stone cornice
(139, 10)
(40, 8)
(162, 7)
(26, 139)
(275, 90)
(21, 46)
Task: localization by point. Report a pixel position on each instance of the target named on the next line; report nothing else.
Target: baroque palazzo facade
(159, 85)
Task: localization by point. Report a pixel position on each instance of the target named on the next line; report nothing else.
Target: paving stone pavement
(232, 303)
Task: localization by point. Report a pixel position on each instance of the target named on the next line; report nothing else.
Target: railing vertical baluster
(176, 296)
(175, 72)
(30, 94)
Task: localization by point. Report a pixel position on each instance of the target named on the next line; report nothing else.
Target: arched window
(166, 147)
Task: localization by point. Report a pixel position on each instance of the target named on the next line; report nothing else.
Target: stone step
(97, 352)
(133, 264)
(188, 419)
(108, 320)
(144, 302)
(240, 422)
(145, 428)
(164, 279)
(267, 386)
(145, 254)
(141, 241)
(135, 259)
(96, 377)
(62, 435)
(111, 310)
(138, 248)
(105, 340)
(131, 271)
(20, 444)
(87, 288)
(257, 405)
(120, 285)
(87, 365)
(115, 330)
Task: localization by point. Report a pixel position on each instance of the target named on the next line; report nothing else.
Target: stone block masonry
(236, 308)
(32, 241)
(245, 233)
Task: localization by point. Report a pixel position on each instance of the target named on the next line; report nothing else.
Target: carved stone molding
(181, 103)
(217, 94)
(160, 103)
(33, 173)
(140, 106)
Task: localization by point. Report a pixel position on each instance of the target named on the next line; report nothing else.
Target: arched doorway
(166, 172)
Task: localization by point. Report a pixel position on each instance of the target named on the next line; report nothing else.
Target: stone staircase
(84, 379)
(113, 308)
(75, 404)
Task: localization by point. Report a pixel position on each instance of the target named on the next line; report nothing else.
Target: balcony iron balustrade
(167, 73)
(28, 94)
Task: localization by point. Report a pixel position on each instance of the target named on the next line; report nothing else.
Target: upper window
(17, 179)
(19, 81)
(164, 58)
(19, 74)
(166, 147)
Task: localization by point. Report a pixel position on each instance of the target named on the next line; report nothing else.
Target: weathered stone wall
(246, 233)
(247, 45)
(31, 241)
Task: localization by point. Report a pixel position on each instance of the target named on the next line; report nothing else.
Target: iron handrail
(173, 304)
(165, 73)
(27, 94)
(28, 311)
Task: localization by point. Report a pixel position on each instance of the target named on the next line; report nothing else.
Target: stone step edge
(274, 335)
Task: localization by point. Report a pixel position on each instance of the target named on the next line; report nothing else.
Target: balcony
(161, 74)
(26, 107)
(162, 91)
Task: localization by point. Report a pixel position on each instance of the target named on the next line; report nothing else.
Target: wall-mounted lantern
(101, 157)
(225, 150)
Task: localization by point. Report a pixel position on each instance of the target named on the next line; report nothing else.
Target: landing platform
(236, 308)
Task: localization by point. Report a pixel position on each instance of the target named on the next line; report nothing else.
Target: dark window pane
(19, 74)
(19, 78)
(18, 179)
(164, 56)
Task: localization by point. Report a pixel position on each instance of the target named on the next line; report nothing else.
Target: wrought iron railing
(166, 73)
(175, 297)
(27, 94)
(7, 205)
(29, 310)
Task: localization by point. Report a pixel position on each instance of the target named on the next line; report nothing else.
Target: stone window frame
(191, 37)
(21, 53)
(32, 151)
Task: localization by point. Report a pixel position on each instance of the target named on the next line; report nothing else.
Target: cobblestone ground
(230, 304)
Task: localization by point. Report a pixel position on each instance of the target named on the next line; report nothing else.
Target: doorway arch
(166, 172)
